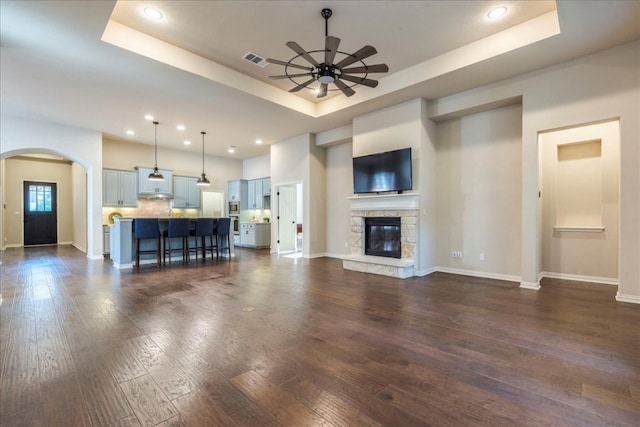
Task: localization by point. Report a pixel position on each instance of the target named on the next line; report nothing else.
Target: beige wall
(591, 89)
(339, 188)
(79, 202)
(219, 170)
(299, 160)
(479, 167)
(20, 169)
(23, 136)
(592, 255)
(256, 167)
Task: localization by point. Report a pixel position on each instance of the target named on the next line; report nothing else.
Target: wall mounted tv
(383, 172)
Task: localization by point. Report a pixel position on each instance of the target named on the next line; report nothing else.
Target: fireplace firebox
(382, 236)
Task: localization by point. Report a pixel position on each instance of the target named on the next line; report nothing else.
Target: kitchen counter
(255, 234)
(122, 242)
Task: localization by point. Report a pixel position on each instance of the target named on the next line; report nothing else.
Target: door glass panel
(40, 198)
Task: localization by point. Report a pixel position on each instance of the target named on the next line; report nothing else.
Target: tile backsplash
(149, 208)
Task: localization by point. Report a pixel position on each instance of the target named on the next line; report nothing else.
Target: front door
(40, 214)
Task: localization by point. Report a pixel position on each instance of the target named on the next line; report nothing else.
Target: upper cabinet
(254, 196)
(186, 194)
(237, 192)
(266, 186)
(119, 188)
(148, 188)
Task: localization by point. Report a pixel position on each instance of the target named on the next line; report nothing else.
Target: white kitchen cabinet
(186, 194)
(148, 188)
(237, 192)
(255, 194)
(119, 188)
(255, 235)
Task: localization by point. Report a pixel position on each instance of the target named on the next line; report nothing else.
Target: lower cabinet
(106, 239)
(255, 235)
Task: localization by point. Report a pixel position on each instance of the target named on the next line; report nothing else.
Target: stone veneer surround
(404, 206)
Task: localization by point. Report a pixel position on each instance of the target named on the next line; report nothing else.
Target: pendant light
(203, 181)
(156, 175)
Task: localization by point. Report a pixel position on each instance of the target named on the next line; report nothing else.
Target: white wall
(297, 160)
(592, 255)
(79, 209)
(339, 188)
(21, 136)
(479, 169)
(219, 170)
(591, 89)
(257, 167)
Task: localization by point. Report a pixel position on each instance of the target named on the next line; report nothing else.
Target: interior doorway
(579, 173)
(290, 216)
(40, 213)
(213, 204)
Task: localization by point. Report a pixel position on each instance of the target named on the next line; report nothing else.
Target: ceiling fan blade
(363, 53)
(323, 90)
(286, 76)
(360, 80)
(331, 47)
(299, 50)
(344, 88)
(376, 68)
(288, 64)
(303, 85)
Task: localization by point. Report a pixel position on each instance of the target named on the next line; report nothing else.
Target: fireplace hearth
(383, 237)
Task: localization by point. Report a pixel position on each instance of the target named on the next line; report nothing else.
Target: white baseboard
(422, 273)
(633, 299)
(122, 266)
(475, 273)
(81, 249)
(13, 245)
(530, 285)
(580, 278)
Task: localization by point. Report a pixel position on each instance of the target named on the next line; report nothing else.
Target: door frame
(275, 213)
(23, 213)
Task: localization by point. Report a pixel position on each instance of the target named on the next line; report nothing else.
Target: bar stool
(178, 228)
(224, 225)
(146, 229)
(204, 229)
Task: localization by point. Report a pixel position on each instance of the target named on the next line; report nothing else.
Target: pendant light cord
(156, 144)
(203, 134)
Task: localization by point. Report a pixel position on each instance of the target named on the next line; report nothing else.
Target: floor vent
(255, 59)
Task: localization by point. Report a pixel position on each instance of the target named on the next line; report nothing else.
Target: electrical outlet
(459, 255)
(454, 254)
(481, 257)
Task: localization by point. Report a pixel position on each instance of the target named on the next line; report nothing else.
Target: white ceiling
(102, 65)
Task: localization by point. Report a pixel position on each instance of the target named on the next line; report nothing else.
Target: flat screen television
(383, 172)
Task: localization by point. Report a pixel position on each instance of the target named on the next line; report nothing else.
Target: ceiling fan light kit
(327, 72)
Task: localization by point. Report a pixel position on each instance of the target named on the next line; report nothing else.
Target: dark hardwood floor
(267, 341)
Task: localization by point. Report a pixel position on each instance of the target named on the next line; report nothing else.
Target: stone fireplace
(390, 209)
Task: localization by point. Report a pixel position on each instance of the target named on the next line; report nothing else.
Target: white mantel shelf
(385, 202)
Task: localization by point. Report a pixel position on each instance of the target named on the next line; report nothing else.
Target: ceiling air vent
(255, 59)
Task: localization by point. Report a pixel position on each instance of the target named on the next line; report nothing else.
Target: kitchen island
(122, 243)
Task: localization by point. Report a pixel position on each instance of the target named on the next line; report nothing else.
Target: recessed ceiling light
(148, 117)
(231, 149)
(153, 13)
(130, 132)
(187, 142)
(258, 141)
(180, 127)
(497, 12)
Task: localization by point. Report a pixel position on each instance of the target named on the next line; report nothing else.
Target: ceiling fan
(326, 72)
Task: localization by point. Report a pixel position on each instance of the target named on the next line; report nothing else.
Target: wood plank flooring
(268, 341)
